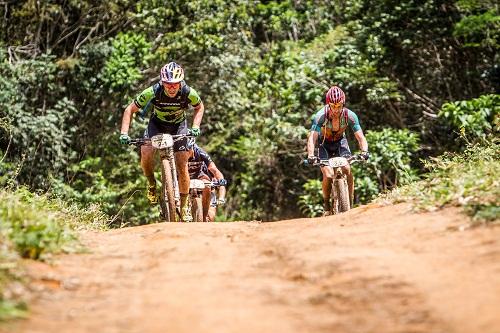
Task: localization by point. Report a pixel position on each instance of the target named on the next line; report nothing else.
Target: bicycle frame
(170, 196)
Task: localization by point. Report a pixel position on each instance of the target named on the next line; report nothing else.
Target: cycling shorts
(156, 126)
(329, 149)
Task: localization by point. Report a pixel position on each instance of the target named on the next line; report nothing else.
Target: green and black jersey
(171, 110)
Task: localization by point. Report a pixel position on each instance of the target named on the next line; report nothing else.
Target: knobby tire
(197, 209)
(342, 192)
(167, 198)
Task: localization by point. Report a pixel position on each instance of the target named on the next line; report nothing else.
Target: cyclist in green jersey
(328, 127)
(169, 99)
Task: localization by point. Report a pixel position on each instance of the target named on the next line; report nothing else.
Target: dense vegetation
(416, 72)
(468, 180)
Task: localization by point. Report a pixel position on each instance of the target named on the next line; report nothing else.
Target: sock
(151, 180)
(184, 199)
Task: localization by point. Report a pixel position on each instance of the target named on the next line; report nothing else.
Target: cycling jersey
(325, 126)
(168, 109)
(199, 162)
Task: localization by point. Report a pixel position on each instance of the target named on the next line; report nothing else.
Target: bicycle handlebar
(144, 141)
(351, 159)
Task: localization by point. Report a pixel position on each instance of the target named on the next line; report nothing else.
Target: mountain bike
(169, 194)
(340, 202)
(196, 188)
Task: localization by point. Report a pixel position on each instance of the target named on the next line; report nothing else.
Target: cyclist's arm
(127, 117)
(362, 143)
(358, 132)
(199, 108)
(313, 136)
(198, 114)
(311, 142)
(139, 102)
(218, 175)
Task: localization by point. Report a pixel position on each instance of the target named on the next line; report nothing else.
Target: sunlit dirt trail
(374, 269)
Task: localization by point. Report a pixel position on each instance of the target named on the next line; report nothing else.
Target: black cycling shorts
(331, 149)
(156, 126)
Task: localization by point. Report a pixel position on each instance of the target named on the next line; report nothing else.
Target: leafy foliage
(391, 153)
(481, 27)
(37, 225)
(67, 70)
(311, 202)
(123, 67)
(469, 180)
(475, 118)
(10, 304)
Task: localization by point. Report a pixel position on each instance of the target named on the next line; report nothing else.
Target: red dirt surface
(374, 269)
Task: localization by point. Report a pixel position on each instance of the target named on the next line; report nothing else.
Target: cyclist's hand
(221, 202)
(365, 155)
(312, 159)
(195, 131)
(124, 139)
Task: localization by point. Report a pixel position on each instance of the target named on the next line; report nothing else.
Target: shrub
(311, 202)
(468, 180)
(34, 226)
(474, 118)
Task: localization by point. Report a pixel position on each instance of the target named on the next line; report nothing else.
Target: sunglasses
(335, 105)
(171, 85)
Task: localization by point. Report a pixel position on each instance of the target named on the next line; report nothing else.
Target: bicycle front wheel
(167, 198)
(197, 209)
(342, 192)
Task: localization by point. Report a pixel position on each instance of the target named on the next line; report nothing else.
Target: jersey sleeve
(353, 121)
(317, 120)
(194, 98)
(205, 157)
(144, 97)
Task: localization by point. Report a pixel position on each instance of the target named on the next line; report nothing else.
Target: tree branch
(89, 35)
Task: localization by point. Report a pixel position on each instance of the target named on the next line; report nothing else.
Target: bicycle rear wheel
(167, 198)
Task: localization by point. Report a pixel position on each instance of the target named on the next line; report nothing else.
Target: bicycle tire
(342, 192)
(167, 198)
(197, 209)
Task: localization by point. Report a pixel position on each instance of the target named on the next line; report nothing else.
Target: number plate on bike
(197, 184)
(162, 141)
(338, 162)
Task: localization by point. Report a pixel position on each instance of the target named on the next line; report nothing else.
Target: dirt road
(371, 270)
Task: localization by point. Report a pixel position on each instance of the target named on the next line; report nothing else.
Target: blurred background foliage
(417, 73)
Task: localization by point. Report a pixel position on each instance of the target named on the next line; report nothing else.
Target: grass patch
(35, 226)
(11, 305)
(469, 180)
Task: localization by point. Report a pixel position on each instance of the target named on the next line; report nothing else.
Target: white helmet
(172, 73)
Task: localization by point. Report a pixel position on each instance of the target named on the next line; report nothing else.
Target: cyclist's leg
(147, 162)
(327, 171)
(181, 151)
(344, 151)
(147, 153)
(205, 195)
(213, 206)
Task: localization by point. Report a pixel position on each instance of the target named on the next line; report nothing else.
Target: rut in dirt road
(370, 270)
